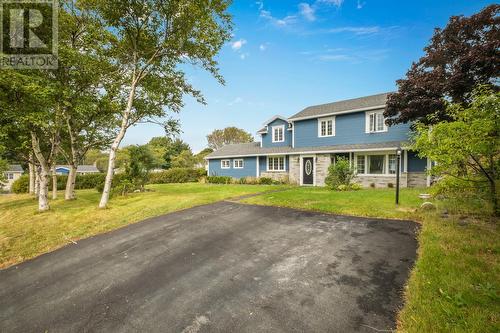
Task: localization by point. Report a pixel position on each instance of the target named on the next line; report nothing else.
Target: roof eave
(337, 113)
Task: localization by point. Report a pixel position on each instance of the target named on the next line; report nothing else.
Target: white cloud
(355, 30)
(337, 3)
(360, 4)
(287, 20)
(243, 56)
(334, 57)
(260, 4)
(237, 45)
(307, 11)
(263, 47)
(237, 100)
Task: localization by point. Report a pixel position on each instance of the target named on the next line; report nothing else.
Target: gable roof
(345, 106)
(274, 118)
(15, 168)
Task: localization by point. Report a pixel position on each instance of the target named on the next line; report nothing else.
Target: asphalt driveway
(224, 267)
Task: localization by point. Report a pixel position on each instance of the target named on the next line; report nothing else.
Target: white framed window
(276, 163)
(360, 164)
(326, 127)
(225, 164)
(376, 164)
(238, 164)
(392, 164)
(278, 133)
(10, 175)
(375, 122)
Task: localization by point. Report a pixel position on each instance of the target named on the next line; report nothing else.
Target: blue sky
(286, 55)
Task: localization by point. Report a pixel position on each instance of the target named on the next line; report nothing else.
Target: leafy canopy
(463, 55)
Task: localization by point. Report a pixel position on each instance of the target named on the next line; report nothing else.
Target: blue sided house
(301, 148)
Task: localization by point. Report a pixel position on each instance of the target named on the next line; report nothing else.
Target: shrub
(88, 181)
(21, 185)
(342, 187)
(390, 185)
(219, 179)
(372, 185)
(177, 175)
(339, 173)
(266, 181)
(356, 186)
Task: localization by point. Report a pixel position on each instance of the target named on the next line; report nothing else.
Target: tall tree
(153, 38)
(463, 55)
(83, 76)
(468, 148)
(226, 136)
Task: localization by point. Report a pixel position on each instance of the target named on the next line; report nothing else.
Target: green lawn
(368, 202)
(454, 284)
(25, 234)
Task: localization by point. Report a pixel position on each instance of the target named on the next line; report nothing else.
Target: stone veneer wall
(294, 167)
(381, 181)
(275, 175)
(417, 179)
(322, 163)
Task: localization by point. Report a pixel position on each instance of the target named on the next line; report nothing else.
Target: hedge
(96, 180)
(176, 175)
(92, 180)
(219, 179)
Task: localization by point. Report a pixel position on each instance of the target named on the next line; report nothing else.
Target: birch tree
(154, 39)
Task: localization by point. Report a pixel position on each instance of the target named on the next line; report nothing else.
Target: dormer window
(375, 122)
(326, 127)
(278, 133)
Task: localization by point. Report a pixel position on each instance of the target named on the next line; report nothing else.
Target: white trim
(428, 180)
(320, 120)
(257, 171)
(405, 167)
(284, 164)
(301, 169)
(303, 152)
(385, 153)
(293, 134)
(367, 122)
(283, 133)
(242, 163)
(208, 167)
(340, 112)
(228, 163)
(274, 118)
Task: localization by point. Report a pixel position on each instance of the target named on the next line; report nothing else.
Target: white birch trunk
(37, 182)
(31, 168)
(43, 189)
(69, 194)
(54, 183)
(43, 196)
(114, 147)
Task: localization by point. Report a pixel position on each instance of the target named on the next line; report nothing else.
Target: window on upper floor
(375, 122)
(326, 127)
(225, 164)
(278, 133)
(238, 164)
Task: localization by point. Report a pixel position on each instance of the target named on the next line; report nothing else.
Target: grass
(368, 202)
(25, 234)
(454, 284)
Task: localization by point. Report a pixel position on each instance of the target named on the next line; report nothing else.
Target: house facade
(80, 169)
(11, 175)
(301, 148)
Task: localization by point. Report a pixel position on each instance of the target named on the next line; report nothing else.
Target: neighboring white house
(14, 172)
(80, 170)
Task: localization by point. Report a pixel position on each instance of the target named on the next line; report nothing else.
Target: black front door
(308, 171)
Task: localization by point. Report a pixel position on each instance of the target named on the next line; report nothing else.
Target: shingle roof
(15, 168)
(342, 106)
(254, 149)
